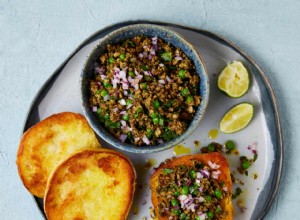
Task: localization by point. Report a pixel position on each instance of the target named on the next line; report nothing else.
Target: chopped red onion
(225, 188)
(136, 86)
(122, 75)
(125, 86)
(202, 216)
(215, 174)
(205, 173)
(125, 93)
(182, 197)
(150, 56)
(94, 108)
(147, 73)
(152, 51)
(129, 106)
(138, 76)
(141, 56)
(115, 109)
(201, 189)
(161, 81)
(123, 123)
(176, 207)
(100, 70)
(154, 40)
(253, 147)
(105, 98)
(123, 137)
(137, 139)
(123, 113)
(103, 76)
(161, 65)
(197, 182)
(199, 175)
(146, 140)
(188, 183)
(213, 166)
(201, 199)
(178, 58)
(99, 83)
(169, 79)
(122, 102)
(116, 71)
(145, 54)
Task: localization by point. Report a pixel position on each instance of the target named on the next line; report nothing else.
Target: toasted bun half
(217, 158)
(91, 184)
(48, 142)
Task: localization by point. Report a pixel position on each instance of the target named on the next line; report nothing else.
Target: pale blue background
(36, 36)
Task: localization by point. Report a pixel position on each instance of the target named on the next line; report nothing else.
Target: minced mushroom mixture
(192, 192)
(145, 91)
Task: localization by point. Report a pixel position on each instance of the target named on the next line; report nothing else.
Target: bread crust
(215, 157)
(43, 146)
(91, 184)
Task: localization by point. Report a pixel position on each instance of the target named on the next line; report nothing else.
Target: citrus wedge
(237, 118)
(234, 80)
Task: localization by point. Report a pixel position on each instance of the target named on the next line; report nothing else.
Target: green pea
(156, 104)
(125, 117)
(111, 60)
(99, 111)
(189, 99)
(182, 216)
(149, 133)
(185, 92)
(98, 92)
(106, 116)
(167, 171)
(211, 147)
(132, 74)
(122, 56)
(229, 145)
(107, 84)
(144, 67)
(208, 198)
(185, 190)
(210, 214)
(245, 164)
(218, 193)
(176, 193)
(175, 212)
(155, 120)
(128, 101)
(143, 85)
(181, 73)
(166, 56)
(174, 202)
(104, 93)
(154, 115)
(218, 210)
(197, 218)
(161, 122)
(193, 173)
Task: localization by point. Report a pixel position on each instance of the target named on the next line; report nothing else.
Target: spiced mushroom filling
(145, 91)
(192, 192)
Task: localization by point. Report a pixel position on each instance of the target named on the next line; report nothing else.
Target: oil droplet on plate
(135, 210)
(150, 162)
(255, 175)
(197, 144)
(213, 133)
(180, 149)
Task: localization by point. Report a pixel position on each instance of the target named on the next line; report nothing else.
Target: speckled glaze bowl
(128, 32)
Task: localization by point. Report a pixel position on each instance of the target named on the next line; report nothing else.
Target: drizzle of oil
(135, 210)
(255, 176)
(180, 149)
(150, 162)
(213, 133)
(236, 152)
(197, 144)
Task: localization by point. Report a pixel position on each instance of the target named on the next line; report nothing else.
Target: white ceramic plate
(62, 93)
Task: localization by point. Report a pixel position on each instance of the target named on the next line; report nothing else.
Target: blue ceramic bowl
(148, 30)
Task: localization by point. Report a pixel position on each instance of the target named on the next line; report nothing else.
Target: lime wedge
(237, 118)
(234, 80)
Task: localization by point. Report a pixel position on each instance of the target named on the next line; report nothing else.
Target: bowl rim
(113, 141)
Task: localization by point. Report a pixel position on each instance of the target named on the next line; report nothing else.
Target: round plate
(62, 93)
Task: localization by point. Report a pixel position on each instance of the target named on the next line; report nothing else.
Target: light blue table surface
(36, 36)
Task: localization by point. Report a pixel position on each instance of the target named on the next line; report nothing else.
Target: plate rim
(219, 38)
